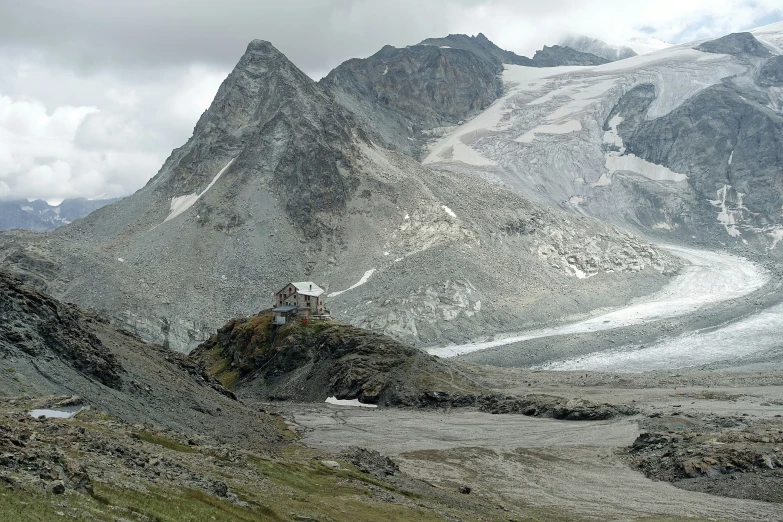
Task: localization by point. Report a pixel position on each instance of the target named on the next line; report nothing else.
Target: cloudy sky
(95, 94)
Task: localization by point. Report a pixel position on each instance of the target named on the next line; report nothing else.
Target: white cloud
(107, 149)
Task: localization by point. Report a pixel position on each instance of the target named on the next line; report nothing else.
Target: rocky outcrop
(315, 361)
(585, 44)
(552, 407)
(744, 461)
(771, 73)
(310, 362)
(737, 44)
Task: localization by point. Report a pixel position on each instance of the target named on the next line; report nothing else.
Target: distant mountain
(40, 216)
(598, 47)
(481, 46)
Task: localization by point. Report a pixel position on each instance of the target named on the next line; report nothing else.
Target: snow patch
(777, 237)
(662, 226)
(386, 71)
(448, 211)
(731, 156)
(57, 413)
(348, 402)
(180, 204)
(612, 137)
(366, 277)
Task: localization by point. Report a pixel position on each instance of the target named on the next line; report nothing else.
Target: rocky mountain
(631, 142)
(281, 181)
(402, 94)
(585, 44)
(40, 216)
(406, 96)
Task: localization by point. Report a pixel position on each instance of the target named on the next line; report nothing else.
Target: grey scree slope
(280, 182)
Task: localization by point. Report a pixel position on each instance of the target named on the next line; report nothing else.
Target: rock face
(35, 325)
(40, 216)
(771, 73)
(585, 44)
(480, 46)
(728, 141)
(737, 44)
(400, 94)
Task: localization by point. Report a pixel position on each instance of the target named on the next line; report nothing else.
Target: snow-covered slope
(653, 142)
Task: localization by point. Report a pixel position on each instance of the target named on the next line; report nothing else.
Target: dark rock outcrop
(736, 44)
(312, 362)
(771, 73)
(35, 325)
(402, 94)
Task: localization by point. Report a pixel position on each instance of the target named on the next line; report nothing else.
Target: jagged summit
(736, 44)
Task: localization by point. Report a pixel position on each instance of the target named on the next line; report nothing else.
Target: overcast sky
(95, 94)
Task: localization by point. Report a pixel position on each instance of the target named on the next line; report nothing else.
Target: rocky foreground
(239, 430)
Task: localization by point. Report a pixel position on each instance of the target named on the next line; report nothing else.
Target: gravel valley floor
(584, 468)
